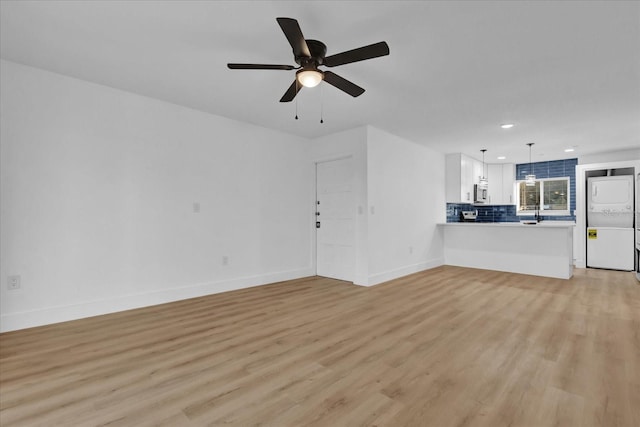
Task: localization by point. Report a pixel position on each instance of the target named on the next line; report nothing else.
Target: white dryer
(610, 201)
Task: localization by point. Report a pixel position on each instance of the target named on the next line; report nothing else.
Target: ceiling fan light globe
(309, 78)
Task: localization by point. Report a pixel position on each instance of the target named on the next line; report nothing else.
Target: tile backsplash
(492, 213)
(495, 213)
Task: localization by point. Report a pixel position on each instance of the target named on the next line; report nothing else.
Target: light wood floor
(446, 347)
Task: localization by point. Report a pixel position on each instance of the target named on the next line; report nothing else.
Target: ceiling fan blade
(292, 31)
(291, 92)
(360, 54)
(343, 84)
(260, 67)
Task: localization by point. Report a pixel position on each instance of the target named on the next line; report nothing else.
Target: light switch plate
(13, 283)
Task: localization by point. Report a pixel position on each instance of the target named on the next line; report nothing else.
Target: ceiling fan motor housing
(318, 51)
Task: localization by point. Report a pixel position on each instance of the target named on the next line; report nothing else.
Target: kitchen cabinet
(462, 172)
(479, 170)
(509, 184)
(502, 179)
(495, 184)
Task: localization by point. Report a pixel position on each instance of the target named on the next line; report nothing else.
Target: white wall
(97, 200)
(399, 191)
(406, 192)
(352, 143)
(613, 156)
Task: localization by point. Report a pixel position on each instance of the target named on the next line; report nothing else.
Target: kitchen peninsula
(542, 249)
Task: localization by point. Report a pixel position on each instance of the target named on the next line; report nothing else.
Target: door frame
(580, 234)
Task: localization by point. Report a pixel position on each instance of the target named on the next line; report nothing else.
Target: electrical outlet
(196, 207)
(410, 249)
(225, 260)
(13, 283)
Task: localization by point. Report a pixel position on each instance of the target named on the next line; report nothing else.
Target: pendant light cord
(483, 179)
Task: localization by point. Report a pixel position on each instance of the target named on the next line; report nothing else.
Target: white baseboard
(385, 276)
(49, 315)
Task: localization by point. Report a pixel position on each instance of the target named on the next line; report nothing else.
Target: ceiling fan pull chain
(321, 103)
(296, 99)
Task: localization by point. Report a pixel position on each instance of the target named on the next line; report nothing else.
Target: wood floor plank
(447, 346)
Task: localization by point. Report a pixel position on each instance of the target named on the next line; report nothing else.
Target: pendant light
(484, 182)
(530, 179)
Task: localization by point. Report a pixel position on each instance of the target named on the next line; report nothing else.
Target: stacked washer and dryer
(611, 226)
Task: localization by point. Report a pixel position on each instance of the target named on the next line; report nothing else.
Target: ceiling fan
(309, 55)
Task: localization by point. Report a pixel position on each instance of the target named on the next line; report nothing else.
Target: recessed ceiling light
(507, 126)
(569, 150)
(501, 157)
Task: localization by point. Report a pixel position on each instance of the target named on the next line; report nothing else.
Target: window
(550, 196)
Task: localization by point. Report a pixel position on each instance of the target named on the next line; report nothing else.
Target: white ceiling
(566, 73)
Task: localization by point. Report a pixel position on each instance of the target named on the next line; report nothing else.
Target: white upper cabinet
(478, 172)
(508, 184)
(495, 184)
(462, 172)
(456, 179)
(501, 178)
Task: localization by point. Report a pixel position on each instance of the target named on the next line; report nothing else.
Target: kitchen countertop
(543, 224)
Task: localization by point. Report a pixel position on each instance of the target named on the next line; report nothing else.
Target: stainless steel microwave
(481, 193)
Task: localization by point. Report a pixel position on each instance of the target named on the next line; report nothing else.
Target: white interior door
(335, 227)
